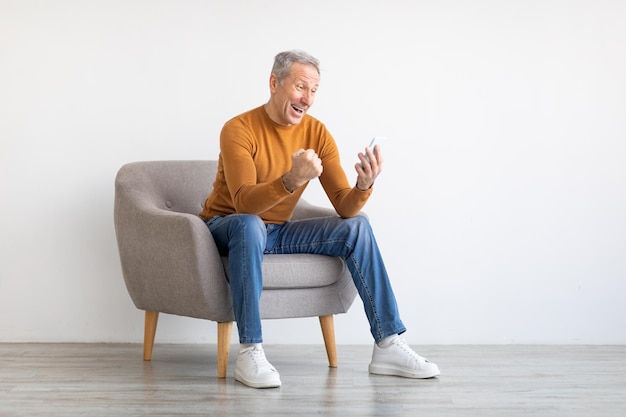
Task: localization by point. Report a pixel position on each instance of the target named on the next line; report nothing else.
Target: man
(268, 155)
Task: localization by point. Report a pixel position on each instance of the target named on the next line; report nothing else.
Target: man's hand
(368, 171)
(305, 165)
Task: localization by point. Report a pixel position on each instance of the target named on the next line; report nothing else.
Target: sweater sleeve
(347, 200)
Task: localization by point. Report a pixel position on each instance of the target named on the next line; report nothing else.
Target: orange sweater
(255, 152)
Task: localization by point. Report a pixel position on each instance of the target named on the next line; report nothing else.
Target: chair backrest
(182, 186)
(179, 186)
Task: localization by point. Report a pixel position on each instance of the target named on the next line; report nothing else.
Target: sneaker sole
(395, 371)
(258, 383)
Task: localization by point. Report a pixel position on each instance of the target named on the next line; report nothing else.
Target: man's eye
(299, 87)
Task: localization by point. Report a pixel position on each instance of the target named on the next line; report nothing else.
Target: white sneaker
(253, 369)
(400, 360)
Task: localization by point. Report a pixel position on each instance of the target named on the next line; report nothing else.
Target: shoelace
(259, 359)
(405, 346)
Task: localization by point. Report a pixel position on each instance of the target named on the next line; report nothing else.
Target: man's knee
(359, 223)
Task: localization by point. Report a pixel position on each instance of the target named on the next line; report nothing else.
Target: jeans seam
(369, 295)
(244, 286)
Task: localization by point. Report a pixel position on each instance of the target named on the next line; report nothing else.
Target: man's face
(291, 99)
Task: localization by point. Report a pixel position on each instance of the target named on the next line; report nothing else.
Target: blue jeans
(245, 238)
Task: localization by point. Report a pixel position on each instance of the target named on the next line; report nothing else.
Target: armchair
(170, 262)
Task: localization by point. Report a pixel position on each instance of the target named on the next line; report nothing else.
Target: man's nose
(307, 98)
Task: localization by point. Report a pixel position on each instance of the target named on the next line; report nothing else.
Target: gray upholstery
(170, 262)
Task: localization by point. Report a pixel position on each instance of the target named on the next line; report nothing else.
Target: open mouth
(297, 109)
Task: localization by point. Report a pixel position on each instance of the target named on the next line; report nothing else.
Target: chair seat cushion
(299, 270)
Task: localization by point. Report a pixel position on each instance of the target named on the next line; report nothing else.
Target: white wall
(500, 211)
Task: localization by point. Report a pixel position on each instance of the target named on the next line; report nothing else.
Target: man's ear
(273, 83)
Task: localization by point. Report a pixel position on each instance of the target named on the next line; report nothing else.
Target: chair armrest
(170, 262)
(306, 210)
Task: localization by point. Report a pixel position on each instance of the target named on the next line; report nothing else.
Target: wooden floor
(505, 381)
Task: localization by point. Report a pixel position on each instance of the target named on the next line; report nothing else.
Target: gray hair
(284, 60)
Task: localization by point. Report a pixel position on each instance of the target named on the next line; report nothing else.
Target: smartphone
(377, 140)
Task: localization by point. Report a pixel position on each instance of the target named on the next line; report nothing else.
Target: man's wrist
(363, 189)
(288, 183)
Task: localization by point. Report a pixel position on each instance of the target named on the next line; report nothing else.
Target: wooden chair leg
(152, 317)
(224, 331)
(328, 331)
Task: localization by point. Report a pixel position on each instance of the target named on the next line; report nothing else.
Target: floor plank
(113, 380)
